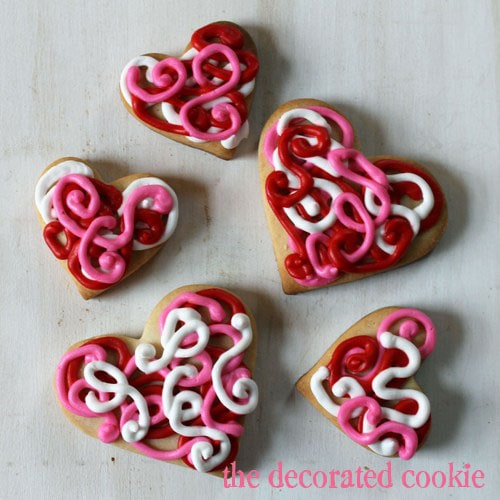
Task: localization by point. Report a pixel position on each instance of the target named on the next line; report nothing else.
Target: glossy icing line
(194, 388)
(202, 94)
(365, 393)
(44, 190)
(342, 213)
(95, 227)
(132, 430)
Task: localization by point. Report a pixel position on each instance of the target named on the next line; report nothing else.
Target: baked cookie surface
(201, 99)
(365, 385)
(102, 233)
(334, 215)
(180, 392)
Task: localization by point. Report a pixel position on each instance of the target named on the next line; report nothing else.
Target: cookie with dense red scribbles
(365, 385)
(202, 98)
(177, 394)
(336, 216)
(100, 232)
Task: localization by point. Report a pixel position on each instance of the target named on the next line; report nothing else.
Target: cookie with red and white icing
(365, 383)
(100, 232)
(177, 394)
(336, 216)
(202, 98)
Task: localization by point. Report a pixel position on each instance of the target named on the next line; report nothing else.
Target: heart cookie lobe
(100, 232)
(201, 99)
(177, 394)
(334, 215)
(365, 383)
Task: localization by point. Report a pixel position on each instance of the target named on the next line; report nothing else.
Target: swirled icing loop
(202, 95)
(364, 385)
(195, 388)
(95, 227)
(341, 212)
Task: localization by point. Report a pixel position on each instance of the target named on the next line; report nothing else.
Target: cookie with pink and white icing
(334, 215)
(101, 232)
(177, 394)
(202, 98)
(365, 382)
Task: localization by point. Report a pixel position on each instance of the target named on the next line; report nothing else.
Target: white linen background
(418, 79)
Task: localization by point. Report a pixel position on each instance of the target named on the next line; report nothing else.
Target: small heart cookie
(365, 384)
(177, 394)
(102, 232)
(201, 99)
(334, 215)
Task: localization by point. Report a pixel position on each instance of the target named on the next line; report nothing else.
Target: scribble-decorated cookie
(101, 232)
(177, 394)
(365, 383)
(336, 216)
(201, 98)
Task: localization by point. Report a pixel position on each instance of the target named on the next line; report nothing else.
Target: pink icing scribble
(380, 368)
(72, 386)
(410, 328)
(342, 213)
(221, 111)
(84, 203)
(374, 416)
(161, 78)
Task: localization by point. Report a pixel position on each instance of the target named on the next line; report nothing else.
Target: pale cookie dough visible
(365, 385)
(201, 99)
(177, 394)
(102, 233)
(334, 215)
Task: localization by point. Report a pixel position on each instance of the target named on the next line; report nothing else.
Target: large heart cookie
(365, 384)
(101, 232)
(334, 215)
(202, 98)
(178, 393)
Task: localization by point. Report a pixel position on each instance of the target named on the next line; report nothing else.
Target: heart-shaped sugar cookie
(177, 394)
(201, 99)
(334, 215)
(101, 232)
(365, 383)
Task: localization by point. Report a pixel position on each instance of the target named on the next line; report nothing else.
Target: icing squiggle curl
(95, 227)
(373, 416)
(367, 377)
(202, 95)
(341, 212)
(194, 388)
